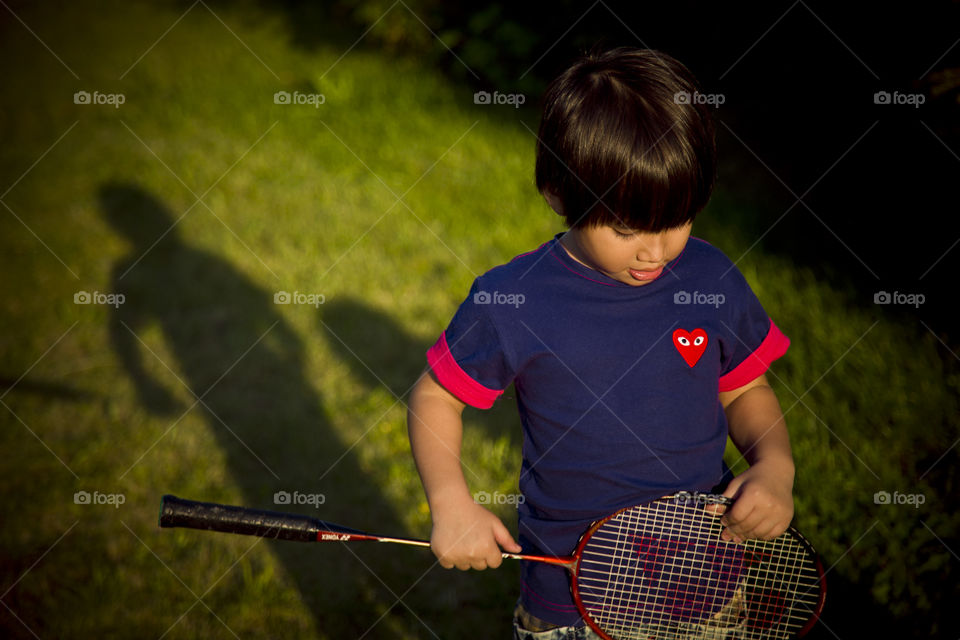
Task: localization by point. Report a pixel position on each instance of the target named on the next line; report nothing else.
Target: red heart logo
(691, 345)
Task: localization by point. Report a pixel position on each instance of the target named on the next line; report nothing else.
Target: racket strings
(789, 575)
(661, 571)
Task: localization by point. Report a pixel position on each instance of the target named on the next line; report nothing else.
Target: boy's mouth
(644, 275)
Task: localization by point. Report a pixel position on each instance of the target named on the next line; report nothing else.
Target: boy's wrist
(447, 498)
(781, 466)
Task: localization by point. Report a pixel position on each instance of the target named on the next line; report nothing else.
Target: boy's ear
(553, 201)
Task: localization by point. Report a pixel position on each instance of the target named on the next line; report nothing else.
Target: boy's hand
(763, 494)
(466, 536)
(763, 503)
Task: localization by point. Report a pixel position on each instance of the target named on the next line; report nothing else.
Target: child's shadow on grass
(382, 353)
(231, 359)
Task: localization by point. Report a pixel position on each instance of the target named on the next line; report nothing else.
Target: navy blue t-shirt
(617, 387)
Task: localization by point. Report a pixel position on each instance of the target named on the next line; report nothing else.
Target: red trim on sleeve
(456, 380)
(772, 347)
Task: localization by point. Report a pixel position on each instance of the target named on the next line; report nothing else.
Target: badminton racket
(656, 571)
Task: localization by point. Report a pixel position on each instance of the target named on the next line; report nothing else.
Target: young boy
(634, 349)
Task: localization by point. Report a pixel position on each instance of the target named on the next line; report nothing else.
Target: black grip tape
(177, 512)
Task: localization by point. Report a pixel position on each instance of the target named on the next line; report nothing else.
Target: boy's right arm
(465, 535)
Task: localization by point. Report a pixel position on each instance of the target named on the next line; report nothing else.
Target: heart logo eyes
(690, 344)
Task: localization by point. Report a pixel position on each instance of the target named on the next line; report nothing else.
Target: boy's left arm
(763, 494)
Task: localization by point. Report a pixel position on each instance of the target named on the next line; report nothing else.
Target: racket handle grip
(178, 512)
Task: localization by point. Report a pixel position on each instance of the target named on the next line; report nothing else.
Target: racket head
(661, 570)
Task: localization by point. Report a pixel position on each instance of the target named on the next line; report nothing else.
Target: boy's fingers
(763, 529)
(481, 553)
(754, 514)
(504, 539)
(728, 536)
(466, 562)
(716, 509)
(732, 487)
(737, 514)
(775, 530)
(741, 523)
(729, 492)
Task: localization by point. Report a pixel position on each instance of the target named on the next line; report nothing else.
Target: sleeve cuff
(456, 380)
(772, 347)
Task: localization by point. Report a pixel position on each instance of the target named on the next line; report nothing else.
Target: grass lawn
(199, 199)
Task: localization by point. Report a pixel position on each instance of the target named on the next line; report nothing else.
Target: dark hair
(624, 141)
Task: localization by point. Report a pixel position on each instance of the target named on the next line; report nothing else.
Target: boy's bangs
(643, 183)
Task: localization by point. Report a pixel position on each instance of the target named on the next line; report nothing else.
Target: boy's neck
(570, 243)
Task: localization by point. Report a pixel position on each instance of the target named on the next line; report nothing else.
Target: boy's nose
(651, 248)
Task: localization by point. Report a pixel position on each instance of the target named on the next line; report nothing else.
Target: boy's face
(633, 257)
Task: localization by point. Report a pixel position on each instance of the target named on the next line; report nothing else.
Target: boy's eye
(623, 235)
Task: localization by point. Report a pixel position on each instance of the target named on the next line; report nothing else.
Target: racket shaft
(210, 516)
